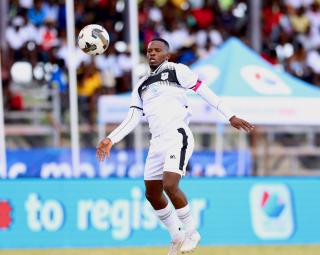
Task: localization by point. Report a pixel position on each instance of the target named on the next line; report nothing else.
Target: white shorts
(169, 152)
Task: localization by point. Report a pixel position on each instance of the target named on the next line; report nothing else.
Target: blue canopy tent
(255, 89)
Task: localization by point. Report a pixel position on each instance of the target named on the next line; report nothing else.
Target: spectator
(204, 16)
(271, 16)
(297, 64)
(313, 60)
(51, 10)
(37, 14)
(89, 81)
(299, 20)
(16, 34)
(48, 39)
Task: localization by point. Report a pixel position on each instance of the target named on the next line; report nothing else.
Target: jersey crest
(164, 76)
(167, 77)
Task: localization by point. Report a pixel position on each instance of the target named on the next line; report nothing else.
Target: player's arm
(128, 124)
(188, 79)
(212, 99)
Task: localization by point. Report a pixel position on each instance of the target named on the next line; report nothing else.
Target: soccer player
(161, 97)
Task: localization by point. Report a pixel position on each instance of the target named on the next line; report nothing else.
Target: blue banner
(114, 213)
(56, 163)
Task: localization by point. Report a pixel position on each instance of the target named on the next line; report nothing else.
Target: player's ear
(168, 56)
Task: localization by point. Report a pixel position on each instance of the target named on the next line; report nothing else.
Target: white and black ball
(93, 39)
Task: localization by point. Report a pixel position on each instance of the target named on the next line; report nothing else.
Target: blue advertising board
(56, 163)
(114, 213)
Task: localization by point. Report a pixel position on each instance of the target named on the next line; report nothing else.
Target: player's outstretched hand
(103, 149)
(240, 123)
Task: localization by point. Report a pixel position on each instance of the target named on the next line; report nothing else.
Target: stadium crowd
(36, 33)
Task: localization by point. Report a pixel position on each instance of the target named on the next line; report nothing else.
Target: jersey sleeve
(128, 124)
(186, 77)
(132, 119)
(215, 101)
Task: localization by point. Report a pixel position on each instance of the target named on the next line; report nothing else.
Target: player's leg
(178, 154)
(179, 200)
(166, 214)
(175, 166)
(171, 187)
(154, 193)
(164, 210)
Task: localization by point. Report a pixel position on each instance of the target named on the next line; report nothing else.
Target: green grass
(224, 250)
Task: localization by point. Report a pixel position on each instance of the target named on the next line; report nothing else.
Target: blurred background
(261, 57)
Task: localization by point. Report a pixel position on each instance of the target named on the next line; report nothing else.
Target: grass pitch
(223, 250)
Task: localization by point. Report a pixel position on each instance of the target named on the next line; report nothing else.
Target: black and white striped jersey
(162, 96)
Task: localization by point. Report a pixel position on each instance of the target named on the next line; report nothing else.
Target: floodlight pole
(255, 24)
(134, 45)
(3, 25)
(74, 124)
(3, 158)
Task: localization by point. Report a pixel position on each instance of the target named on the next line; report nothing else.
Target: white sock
(185, 217)
(168, 217)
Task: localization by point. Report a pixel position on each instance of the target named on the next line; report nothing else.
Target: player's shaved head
(163, 41)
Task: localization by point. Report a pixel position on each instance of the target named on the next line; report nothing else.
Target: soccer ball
(93, 39)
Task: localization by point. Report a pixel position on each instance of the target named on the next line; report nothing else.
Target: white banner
(264, 111)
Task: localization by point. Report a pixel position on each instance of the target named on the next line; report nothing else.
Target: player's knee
(170, 188)
(151, 197)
